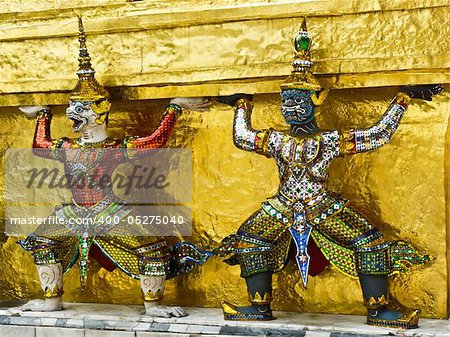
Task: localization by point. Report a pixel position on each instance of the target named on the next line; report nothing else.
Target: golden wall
(158, 49)
(150, 49)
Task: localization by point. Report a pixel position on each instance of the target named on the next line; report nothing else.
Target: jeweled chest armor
(296, 106)
(303, 164)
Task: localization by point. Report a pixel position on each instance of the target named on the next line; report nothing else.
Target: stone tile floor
(104, 320)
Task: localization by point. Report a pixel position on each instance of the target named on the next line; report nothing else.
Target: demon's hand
(192, 103)
(32, 111)
(232, 99)
(424, 91)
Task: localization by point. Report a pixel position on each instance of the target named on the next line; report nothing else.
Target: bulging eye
(299, 100)
(79, 109)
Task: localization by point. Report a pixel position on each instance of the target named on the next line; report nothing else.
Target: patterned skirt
(346, 239)
(129, 248)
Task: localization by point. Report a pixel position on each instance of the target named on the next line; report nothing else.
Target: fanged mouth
(77, 123)
(294, 109)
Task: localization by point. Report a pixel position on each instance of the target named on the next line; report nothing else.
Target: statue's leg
(149, 258)
(155, 265)
(376, 295)
(261, 248)
(51, 278)
(375, 259)
(259, 288)
(50, 270)
(153, 290)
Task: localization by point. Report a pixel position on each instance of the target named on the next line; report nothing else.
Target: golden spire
(301, 76)
(87, 88)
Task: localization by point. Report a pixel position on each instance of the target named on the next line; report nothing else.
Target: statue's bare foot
(164, 311)
(50, 304)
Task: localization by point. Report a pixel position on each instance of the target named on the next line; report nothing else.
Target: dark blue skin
(299, 111)
(297, 106)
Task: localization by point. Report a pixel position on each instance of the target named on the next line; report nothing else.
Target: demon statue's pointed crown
(87, 88)
(301, 77)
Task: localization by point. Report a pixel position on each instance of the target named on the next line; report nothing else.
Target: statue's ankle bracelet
(56, 292)
(258, 300)
(152, 296)
(376, 305)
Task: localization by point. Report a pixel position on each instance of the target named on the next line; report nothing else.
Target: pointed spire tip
(304, 28)
(80, 25)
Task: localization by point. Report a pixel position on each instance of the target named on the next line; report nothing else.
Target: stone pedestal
(143, 50)
(92, 320)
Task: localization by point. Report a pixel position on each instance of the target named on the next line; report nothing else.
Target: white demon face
(81, 114)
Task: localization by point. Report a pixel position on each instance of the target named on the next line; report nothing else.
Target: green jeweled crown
(301, 76)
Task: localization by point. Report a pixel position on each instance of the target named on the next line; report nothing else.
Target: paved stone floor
(104, 320)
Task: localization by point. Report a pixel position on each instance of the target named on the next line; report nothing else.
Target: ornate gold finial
(87, 88)
(301, 76)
